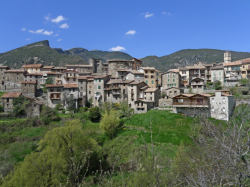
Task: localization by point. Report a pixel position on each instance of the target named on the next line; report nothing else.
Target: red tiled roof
(151, 90)
(236, 63)
(32, 66)
(28, 82)
(54, 85)
(70, 86)
(4, 67)
(174, 70)
(11, 95)
(82, 77)
(54, 73)
(48, 67)
(15, 71)
(136, 72)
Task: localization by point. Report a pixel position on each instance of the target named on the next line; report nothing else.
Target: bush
(109, 122)
(48, 114)
(94, 114)
(1, 108)
(244, 82)
(85, 109)
(217, 85)
(58, 106)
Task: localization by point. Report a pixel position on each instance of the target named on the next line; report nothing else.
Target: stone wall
(32, 109)
(230, 84)
(242, 101)
(165, 102)
(186, 91)
(28, 90)
(8, 106)
(194, 111)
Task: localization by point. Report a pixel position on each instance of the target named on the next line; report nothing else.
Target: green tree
(217, 85)
(125, 110)
(109, 122)
(94, 113)
(48, 81)
(61, 159)
(48, 114)
(107, 106)
(19, 105)
(58, 106)
(244, 82)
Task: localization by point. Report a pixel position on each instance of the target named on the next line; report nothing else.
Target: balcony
(116, 93)
(208, 72)
(235, 69)
(107, 88)
(197, 83)
(140, 106)
(116, 87)
(191, 104)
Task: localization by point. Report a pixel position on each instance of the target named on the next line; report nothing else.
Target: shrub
(94, 114)
(1, 108)
(236, 85)
(48, 114)
(109, 122)
(58, 106)
(244, 82)
(217, 85)
(85, 109)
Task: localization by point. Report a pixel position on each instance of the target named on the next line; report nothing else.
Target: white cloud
(47, 32)
(56, 35)
(59, 40)
(23, 29)
(58, 19)
(130, 32)
(64, 26)
(41, 31)
(118, 48)
(37, 31)
(147, 15)
(28, 39)
(168, 13)
(47, 17)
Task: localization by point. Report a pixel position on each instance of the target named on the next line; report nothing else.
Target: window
(214, 73)
(100, 80)
(152, 82)
(73, 89)
(137, 76)
(89, 92)
(99, 87)
(151, 98)
(70, 89)
(24, 84)
(152, 76)
(219, 73)
(8, 100)
(67, 79)
(152, 71)
(173, 80)
(150, 93)
(168, 80)
(146, 71)
(95, 80)
(58, 90)
(146, 82)
(223, 100)
(74, 79)
(51, 90)
(212, 99)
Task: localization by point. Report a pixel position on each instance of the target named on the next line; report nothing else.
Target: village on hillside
(183, 90)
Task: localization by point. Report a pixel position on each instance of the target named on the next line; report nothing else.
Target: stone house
(105, 68)
(197, 85)
(98, 89)
(184, 72)
(69, 77)
(71, 91)
(197, 71)
(120, 74)
(173, 91)
(192, 104)
(208, 77)
(171, 79)
(81, 68)
(56, 77)
(222, 105)
(29, 88)
(113, 65)
(137, 63)
(54, 94)
(46, 69)
(33, 68)
(82, 86)
(152, 95)
(245, 68)
(90, 88)
(158, 78)
(33, 109)
(217, 73)
(97, 65)
(232, 71)
(13, 79)
(7, 100)
(137, 76)
(2, 78)
(149, 76)
(58, 69)
(38, 77)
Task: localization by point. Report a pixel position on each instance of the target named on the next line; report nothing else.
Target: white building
(222, 105)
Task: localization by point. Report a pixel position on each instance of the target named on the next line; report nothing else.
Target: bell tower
(227, 57)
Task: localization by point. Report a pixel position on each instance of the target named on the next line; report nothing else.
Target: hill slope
(189, 57)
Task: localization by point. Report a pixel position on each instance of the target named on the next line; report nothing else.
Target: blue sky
(137, 27)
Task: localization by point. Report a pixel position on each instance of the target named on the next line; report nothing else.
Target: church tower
(227, 57)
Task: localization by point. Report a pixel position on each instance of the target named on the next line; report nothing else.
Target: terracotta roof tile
(174, 70)
(28, 82)
(54, 73)
(70, 86)
(151, 90)
(32, 66)
(15, 71)
(82, 77)
(11, 95)
(48, 67)
(4, 67)
(54, 85)
(235, 63)
(148, 68)
(136, 72)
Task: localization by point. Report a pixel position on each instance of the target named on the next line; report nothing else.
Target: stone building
(208, 77)
(81, 68)
(197, 85)
(13, 79)
(7, 100)
(38, 77)
(90, 88)
(222, 105)
(69, 77)
(56, 77)
(173, 91)
(105, 68)
(227, 57)
(98, 89)
(28, 88)
(71, 91)
(82, 86)
(33, 68)
(137, 63)
(120, 74)
(184, 72)
(170, 79)
(135, 75)
(217, 73)
(152, 95)
(33, 109)
(245, 68)
(46, 69)
(197, 71)
(192, 104)
(97, 65)
(149, 76)
(2, 77)
(58, 69)
(113, 65)
(158, 78)
(232, 71)
(54, 94)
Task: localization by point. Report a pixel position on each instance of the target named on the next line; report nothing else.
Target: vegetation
(94, 113)
(19, 105)
(217, 85)
(109, 122)
(244, 82)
